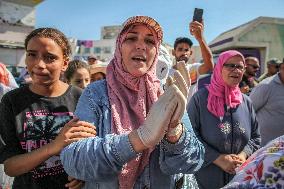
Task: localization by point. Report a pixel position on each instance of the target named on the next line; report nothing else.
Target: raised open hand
(159, 117)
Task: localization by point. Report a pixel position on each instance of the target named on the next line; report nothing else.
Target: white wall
(14, 13)
(12, 56)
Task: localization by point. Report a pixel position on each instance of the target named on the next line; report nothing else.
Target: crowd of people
(142, 121)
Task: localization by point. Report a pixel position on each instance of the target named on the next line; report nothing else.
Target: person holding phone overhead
(182, 52)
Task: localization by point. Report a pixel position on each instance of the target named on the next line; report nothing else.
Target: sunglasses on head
(254, 66)
(232, 67)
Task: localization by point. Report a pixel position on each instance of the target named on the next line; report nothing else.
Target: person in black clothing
(36, 121)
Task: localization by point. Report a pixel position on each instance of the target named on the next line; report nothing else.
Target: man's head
(92, 60)
(182, 49)
(252, 66)
(273, 66)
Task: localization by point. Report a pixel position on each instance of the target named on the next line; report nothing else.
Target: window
(107, 50)
(87, 50)
(97, 50)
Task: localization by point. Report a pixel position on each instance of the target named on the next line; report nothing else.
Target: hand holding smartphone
(197, 16)
(196, 26)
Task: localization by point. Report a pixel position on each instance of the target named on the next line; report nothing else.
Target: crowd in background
(142, 121)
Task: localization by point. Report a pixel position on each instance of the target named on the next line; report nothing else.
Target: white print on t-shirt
(40, 128)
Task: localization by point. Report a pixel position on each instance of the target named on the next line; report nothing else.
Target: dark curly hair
(53, 34)
(73, 66)
(182, 40)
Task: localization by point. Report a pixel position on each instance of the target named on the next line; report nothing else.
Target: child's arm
(73, 131)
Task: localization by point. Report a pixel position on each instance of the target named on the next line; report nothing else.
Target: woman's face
(233, 70)
(44, 60)
(80, 78)
(138, 50)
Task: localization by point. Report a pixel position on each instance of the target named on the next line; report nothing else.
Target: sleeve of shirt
(9, 144)
(185, 156)
(196, 67)
(194, 114)
(4, 89)
(12, 82)
(254, 142)
(259, 96)
(95, 158)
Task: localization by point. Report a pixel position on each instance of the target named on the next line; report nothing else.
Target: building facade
(103, 49)
(262, 37)
(17, 19)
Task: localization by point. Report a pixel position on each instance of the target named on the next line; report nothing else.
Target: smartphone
(197, 16)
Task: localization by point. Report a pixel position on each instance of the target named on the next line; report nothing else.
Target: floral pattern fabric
(263, 169)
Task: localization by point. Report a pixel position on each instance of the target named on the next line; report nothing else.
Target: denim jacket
(99, 160)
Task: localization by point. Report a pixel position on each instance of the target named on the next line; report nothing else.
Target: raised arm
(183, 153)
(197, 29)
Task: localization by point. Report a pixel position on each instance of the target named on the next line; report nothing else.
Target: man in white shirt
(182, 52)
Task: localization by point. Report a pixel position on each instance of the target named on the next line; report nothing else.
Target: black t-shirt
(29, 121)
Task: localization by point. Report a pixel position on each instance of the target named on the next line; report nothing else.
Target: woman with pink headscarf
(141, 141)
(224, 121)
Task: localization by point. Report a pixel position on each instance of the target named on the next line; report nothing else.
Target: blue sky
(83, 19)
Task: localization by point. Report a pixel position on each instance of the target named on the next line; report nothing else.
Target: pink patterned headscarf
(220, 94)
(132, 97)
(4, 75)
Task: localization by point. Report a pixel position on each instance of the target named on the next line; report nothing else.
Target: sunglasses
(232, 67)
(253, 66)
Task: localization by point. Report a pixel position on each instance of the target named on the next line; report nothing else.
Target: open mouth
(183, 58)
(139, 58)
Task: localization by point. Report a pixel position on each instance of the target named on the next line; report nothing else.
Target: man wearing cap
(272, 68)
(268, 101)
(249, 81)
